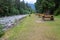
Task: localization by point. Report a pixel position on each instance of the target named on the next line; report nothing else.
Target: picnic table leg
(42, 17)
(52, 18)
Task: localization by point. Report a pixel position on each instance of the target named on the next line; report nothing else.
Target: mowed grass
(55, 26)
(30, 29)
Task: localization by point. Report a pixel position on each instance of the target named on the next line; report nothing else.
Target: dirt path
(35, 29)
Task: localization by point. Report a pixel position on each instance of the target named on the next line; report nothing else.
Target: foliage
(47, 6)
(15, 11)
(57, 12)
(1, 31)
(13, 7)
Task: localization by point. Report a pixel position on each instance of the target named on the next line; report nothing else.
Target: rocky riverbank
(8, 22)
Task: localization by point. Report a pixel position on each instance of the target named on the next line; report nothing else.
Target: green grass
(55, 25)
(28, 26)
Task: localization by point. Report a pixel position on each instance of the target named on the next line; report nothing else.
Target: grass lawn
(32, 28)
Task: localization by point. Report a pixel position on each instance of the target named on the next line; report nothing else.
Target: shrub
(24, 11)
(1, 31)
(14, 11)
(56, 12)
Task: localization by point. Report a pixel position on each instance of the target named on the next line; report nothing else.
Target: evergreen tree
(47, 6)
(13, 7)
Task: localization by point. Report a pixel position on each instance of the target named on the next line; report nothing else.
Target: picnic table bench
(50, 17)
